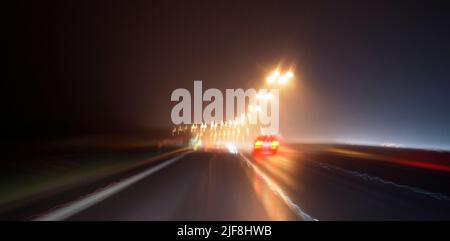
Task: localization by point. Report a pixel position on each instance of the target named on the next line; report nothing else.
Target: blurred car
(266, 144)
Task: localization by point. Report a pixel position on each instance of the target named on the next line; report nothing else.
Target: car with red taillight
(266, 144)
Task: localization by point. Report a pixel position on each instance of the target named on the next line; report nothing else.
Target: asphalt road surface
(199, 186)
(292, 185)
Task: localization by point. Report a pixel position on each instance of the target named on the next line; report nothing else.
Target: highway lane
(343, 188)
(200, 186)
(293, 185)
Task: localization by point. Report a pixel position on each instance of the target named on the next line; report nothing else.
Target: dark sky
(368, 71)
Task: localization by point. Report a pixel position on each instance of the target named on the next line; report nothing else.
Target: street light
(277, 78)
(273, 77)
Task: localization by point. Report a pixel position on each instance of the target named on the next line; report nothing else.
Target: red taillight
(258, 144)
(274, 145)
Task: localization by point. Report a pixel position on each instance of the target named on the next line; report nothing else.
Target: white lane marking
(278, 191)
(93, 198)
(367, 177)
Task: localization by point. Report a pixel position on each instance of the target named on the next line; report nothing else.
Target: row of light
(240, 127)
(201, 127)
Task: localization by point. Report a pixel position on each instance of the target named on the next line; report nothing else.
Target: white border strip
(93, 198)
(278, 191)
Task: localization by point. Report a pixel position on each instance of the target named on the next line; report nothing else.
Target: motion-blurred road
(200, 186)
(295, 184)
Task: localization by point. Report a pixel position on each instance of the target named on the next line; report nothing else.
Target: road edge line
(96, 197)
(278, 191)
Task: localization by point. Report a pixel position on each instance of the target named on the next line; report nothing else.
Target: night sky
(372, 72)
